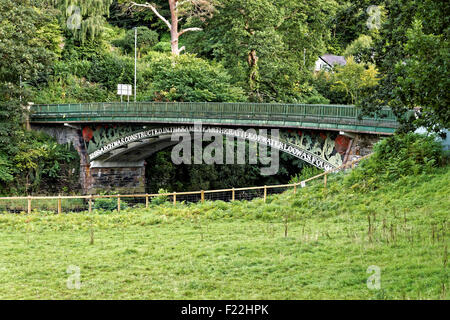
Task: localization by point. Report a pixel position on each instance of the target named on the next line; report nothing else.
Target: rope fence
(60, 204)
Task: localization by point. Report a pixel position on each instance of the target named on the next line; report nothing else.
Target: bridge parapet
(306, 116)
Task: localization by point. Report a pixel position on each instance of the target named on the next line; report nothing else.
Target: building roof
(333, 60)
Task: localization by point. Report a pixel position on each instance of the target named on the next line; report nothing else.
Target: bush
(396, 157)
(306, 173)
(38, 164)
(163, 47)
(188, 78)
(6, 172)
(160, 199)
(146, 39)
(71, 90)
(109, 204)
(111, 69)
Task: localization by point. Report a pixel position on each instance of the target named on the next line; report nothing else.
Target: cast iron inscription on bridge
(324, 150)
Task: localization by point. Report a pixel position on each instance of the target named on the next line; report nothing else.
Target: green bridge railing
(331, 117)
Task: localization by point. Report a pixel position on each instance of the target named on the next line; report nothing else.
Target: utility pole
(135, 61)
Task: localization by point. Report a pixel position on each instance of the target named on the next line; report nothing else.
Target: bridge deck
(328, 117)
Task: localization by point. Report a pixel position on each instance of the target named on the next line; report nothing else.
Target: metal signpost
(135, 61)
(124, 90)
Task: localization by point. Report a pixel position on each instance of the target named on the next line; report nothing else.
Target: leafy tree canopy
(269, 47)
(188, 78)
(412, 53)
(84, 18)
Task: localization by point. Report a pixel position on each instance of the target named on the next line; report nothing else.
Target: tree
(424, 77)
(354, 78)
(412, 53)
(22, 49)
(361, 49)
(188, 78)
(146, 38)
(352, 20)
(268, 46)
(24, 56)
(179, 10)
(85, 18)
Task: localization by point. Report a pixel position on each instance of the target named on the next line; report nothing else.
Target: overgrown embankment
(34, 163)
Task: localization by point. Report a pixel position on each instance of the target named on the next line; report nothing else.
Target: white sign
(124, 89)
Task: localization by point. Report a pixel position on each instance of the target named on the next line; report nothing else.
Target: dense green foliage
(268, 46)
(84, 18)
(396, 157)
(147, 39)
(109, 204)
(29, 162)
(187, 78)
(348, 84)
(26, 54)
(39, 165)
(412, 52)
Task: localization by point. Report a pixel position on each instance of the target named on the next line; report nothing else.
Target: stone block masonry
(120, 180)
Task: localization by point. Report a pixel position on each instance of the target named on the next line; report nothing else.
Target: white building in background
(328, 61)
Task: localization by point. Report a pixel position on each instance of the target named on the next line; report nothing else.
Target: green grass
(238, 250)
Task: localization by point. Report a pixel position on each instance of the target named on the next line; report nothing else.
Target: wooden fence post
(265, 193)
(90, 203)
(174, 198)
(295, 188)
(232, 195)
(29, 204)
(59, 204)
(203, 196)
(146, 200)
(118, 203)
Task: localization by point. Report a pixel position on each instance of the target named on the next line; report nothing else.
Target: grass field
(316, 244)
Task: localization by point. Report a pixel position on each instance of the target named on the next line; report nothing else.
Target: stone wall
(362, 145)
(120, 180)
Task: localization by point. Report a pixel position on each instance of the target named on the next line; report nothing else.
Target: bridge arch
(121, 143)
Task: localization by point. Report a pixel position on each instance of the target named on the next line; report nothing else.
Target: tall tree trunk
(174, 29)
(172, 25)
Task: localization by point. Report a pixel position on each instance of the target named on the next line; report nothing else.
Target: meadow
(316, 244)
